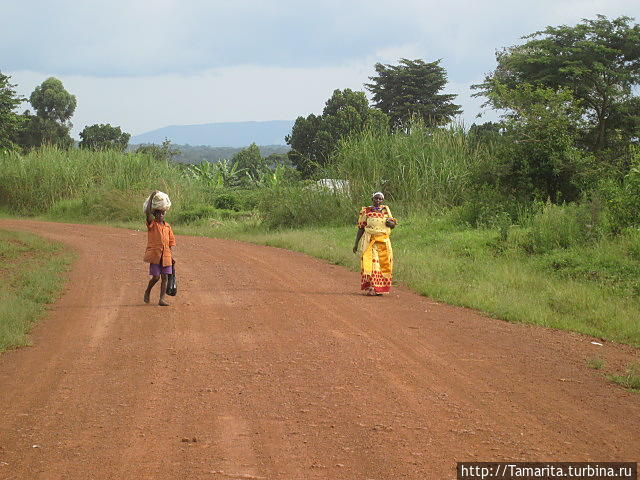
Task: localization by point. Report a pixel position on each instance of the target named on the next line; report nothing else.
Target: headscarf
(378, 193)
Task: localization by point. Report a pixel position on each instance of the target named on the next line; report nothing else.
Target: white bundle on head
(161, 201)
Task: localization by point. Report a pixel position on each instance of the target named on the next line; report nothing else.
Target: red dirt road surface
(271, 365)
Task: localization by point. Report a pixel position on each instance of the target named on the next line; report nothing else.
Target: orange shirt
(159, 239)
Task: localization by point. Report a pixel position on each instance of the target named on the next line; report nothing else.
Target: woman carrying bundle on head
(372, 240)
(160, 242)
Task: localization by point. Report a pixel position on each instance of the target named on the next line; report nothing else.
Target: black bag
(172, 286)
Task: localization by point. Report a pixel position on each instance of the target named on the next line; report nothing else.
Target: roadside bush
(226, 201)
(201, 212)
(297, 206)
(564, 226)
(623, 199)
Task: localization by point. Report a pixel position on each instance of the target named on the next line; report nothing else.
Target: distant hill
(231, 134)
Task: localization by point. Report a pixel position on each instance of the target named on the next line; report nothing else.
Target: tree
(537, 156)
(52, 101)
(104, 137)
(250, 161)
(10, 122)
(163, 153)
(314, 138)
(54, 108)
(598, 61)
(411, 89)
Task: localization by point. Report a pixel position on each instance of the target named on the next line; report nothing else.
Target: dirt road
(270, 365)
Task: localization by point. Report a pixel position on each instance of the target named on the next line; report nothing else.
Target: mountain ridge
(220, 134)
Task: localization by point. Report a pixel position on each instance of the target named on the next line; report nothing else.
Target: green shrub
(563, 226)
(195, 213)
(201, 212)
(623, 199)
(226, 201)
(248, 200)
(297, 205)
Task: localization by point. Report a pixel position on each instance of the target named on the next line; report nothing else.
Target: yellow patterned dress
(376, 255)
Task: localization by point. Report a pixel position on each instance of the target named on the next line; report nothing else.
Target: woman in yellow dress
(372, 240)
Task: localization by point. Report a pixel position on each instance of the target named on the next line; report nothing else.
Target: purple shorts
(156, 269)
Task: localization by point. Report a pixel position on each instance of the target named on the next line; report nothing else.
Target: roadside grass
(595, 363)
(33, 271)
(630, 379)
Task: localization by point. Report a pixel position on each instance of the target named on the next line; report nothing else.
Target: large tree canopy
(412, 89)
(54, 108)
(52, 101)
(598, 61)
(104, 137)
(10, 122)
(314, 138)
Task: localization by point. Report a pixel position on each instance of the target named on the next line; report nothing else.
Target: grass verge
(630, 379)
(32, 270)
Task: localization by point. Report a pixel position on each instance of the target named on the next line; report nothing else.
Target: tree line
(50, 122)
(567, 98)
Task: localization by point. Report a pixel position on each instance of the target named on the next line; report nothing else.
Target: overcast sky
(146, 64)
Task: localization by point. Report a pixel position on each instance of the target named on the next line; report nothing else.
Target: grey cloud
(152, 37)
(146, 38)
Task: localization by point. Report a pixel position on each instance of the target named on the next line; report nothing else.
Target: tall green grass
(421, 168)
(104, 185)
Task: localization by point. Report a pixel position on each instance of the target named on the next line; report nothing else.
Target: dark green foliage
(299, 205)
(54, 108)
(239, 200)
(203, 212)
(10, 122)
(536, 155)
(488, 206)
(485, 133)
(598, 61)
(52, 101)
(411, 89)
(313, 139)
(164, 152)
(37, 131)
(104, 137)
(226, 201)
(250, 162)
(623, 198)
(196, 154)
